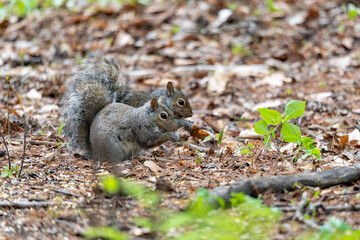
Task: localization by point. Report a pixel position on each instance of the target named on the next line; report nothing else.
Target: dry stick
(23, 156)
(256, 186)
(355, 207)
(7, 104)
(26, 204)
(7, 150)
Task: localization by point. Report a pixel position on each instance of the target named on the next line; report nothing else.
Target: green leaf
(221, 134)
(111, 184)
(271, 6)
(261, 127)
(110, 233)
(4, 174)
(208, 138)
(270, 116)
(316, 152)
(60, 128)
(308, 143)
(290, 132)
(175, 29)
(294, 109)
(353, 11)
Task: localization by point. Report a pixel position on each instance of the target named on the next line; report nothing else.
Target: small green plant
(60, 128)
(289, 132)
(199, 156)
(105, 233)
(353, 11)
(59, 133)
(111, 184)
(272, 8)
(246, 150)
(334, 229)
(201, 220)
(239, 49)
(175, 29)
(22, 8)
(218, 136)
(9, 172)
(288, 92)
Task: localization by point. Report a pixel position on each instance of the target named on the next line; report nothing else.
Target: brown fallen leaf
(198, 133)
(343, 140)
(153, 167)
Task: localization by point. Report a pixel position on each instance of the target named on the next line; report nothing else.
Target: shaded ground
(308, 51)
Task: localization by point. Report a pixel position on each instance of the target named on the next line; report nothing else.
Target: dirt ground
(229, 62)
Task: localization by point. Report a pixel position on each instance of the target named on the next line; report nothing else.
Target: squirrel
(99, 84)
(120, 132)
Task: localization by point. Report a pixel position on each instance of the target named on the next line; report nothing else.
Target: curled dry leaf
(198, 133)
(343, 140)
(153, 167)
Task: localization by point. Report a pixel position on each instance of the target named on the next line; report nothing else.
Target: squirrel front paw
(175, 136)
(188, 125)
(184, 123)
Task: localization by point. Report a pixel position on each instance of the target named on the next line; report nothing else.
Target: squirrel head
(177, 101)
(162, 116)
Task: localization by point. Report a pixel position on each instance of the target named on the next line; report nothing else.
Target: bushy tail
(96, 83)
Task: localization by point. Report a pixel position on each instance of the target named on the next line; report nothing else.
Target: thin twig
(7, 104)
(7, 150)
(221, 155)
(23, 156)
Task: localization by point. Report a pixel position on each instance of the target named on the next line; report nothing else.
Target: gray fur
(96, 84)
(120, 132)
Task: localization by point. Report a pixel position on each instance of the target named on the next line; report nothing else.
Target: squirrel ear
(170, 88)
(153, 104)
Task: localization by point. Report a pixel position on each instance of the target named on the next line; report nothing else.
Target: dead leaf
(153, 167)
(217, 82)
(198, 133)
(276, 79)
(343, 140)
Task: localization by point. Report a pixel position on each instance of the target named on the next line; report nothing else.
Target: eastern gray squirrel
(107, 121)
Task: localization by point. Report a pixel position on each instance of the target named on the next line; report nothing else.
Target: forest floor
(229, 62)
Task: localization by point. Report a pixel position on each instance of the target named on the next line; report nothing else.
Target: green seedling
(271, 6)
(289, 132)
(175, 29)
(239, 49)
(246, 150)
(219, 137)
(202, 219)
(199, 156)
(353, 11)
(9, 172)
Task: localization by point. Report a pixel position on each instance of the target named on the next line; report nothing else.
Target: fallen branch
(254, 187)
(355, 207)
(26, 204)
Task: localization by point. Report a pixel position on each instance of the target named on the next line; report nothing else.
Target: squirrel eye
(163, 115)
(181, 102)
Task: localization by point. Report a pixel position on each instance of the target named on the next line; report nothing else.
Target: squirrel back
(95, 83)
(120, 132)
